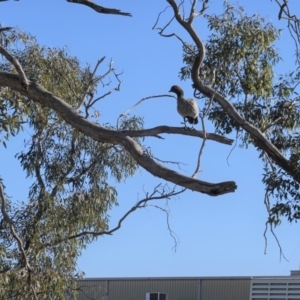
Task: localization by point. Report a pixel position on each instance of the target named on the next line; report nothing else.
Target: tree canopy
(71, 156)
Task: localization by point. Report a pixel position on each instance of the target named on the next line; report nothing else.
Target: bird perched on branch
(187, 108)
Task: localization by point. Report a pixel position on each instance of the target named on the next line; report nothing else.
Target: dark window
(162, 296)
(154, 296)
(158, 296)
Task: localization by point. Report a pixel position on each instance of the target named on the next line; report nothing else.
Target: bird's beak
(170, 90)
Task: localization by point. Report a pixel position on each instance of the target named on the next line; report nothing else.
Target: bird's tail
(192, 120)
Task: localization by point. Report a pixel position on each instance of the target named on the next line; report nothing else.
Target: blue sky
(220, 236)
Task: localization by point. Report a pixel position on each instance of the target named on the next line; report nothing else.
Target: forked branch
(258, 137)
(159, 193)
(17, 65)
(104, 135)
(12, 228)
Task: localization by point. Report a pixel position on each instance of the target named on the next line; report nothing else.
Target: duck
(187, 108)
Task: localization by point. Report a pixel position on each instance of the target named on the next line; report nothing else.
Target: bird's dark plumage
(187, 108)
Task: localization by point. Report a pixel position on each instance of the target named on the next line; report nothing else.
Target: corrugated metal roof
(176, 277)
(187, 277)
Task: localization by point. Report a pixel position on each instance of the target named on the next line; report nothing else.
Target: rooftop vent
(295, 272)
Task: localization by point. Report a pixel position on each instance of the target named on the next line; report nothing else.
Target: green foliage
(72, 175)
(242, 50)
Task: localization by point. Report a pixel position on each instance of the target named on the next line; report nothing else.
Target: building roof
(193, 278)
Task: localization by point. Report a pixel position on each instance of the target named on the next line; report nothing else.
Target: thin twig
(12, 228)
(281, 254)
(172, 233)
(205, 113)
(90, 83)
(161, 31)
(140, 204)
(125, 113)
(198, 167)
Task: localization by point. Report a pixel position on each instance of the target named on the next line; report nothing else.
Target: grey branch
(16, 64)
(5, 29)
(104, 135)
(125, 113)
(12, 228)
(293, 21)
(91, 82)
(155, 131)
(155, 195)
(258, 137)
(101, 9)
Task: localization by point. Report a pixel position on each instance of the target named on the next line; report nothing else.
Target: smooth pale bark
(258, 137)
(37, 93)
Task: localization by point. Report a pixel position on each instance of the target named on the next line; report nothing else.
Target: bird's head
(177, 90)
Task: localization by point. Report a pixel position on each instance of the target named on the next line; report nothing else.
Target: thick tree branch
(155, 131)
(16, 64)
(258, 138)
(189, 28)
(101, 9)
(38, 94)
(5, 29)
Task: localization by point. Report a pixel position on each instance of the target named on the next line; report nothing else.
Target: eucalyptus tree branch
(41, 207)
(143, 203)
(155, 131)
(293, 22)
(101, 9)
(169, 162)
(166, 129)
(197, 170)
(64, 174)
(258, 137)
(278, 120)
(5, 29)
(90, 83)
(161, 30)
(205, 134)
(16, 64)
(94, 81)
(125, 113)
(194, 14)
(104, 135)
(33, 292)
(74, 94)
(172, 233)
(157, 194)
(189, 28)
(12, 228)
(84, 170)
(38, 165)
(117, 88)
(267, 204)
